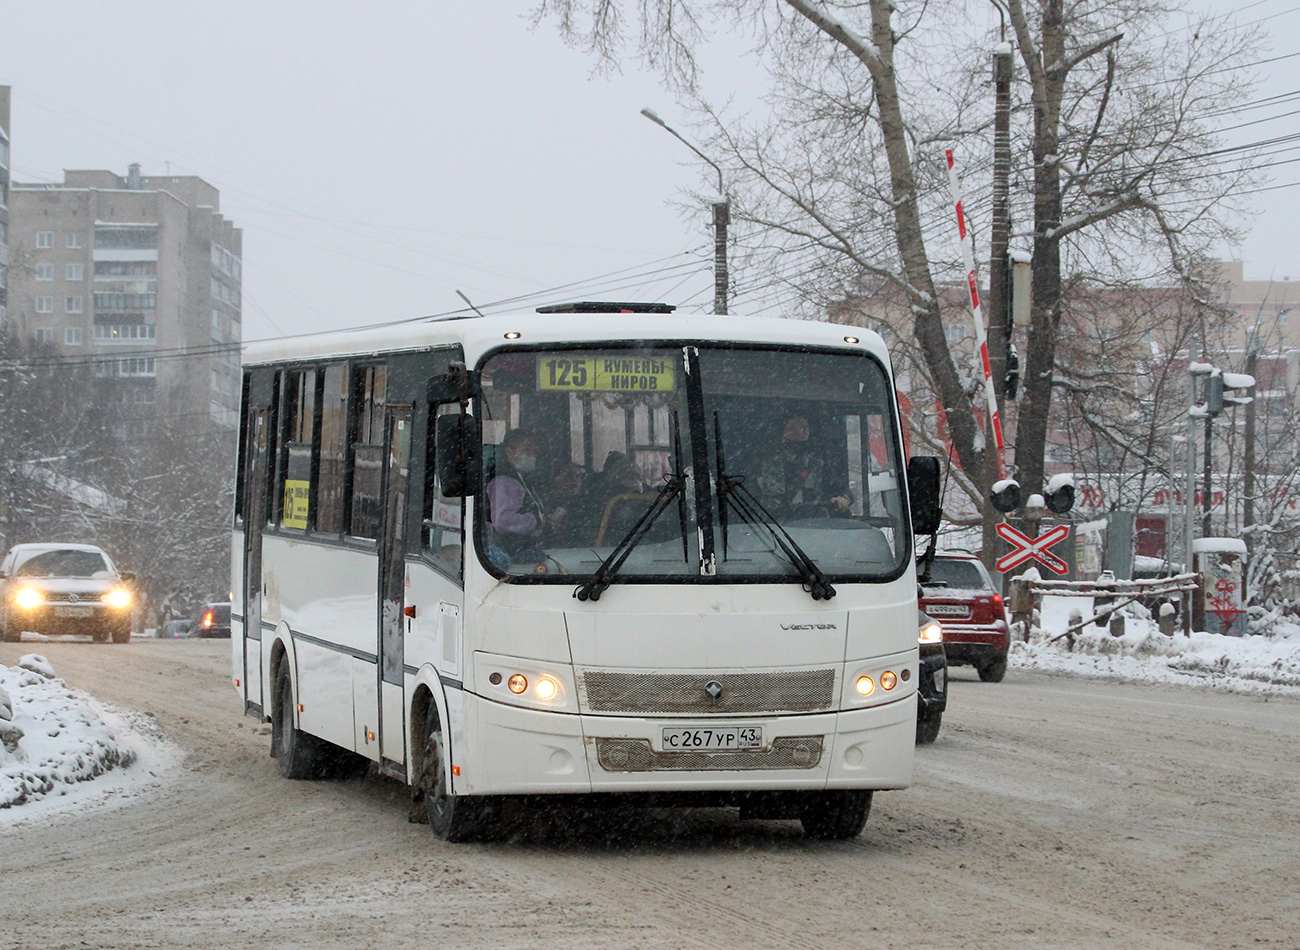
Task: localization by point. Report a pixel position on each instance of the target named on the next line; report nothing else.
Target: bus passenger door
(258, 456)
(392, 588)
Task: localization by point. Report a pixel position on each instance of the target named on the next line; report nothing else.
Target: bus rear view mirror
(923, 493)
(456, 454)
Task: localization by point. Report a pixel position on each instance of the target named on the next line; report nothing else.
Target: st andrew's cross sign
(1026, 547)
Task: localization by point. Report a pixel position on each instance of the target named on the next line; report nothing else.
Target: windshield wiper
(732, 491)
(674, 486)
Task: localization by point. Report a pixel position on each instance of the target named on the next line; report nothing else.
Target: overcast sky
(380, 161)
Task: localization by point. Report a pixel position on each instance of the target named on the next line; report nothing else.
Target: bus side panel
(325, 693)
(328, 596)
(237, 676)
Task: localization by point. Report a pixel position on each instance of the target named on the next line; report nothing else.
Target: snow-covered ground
(54, 740)
(1256, 664)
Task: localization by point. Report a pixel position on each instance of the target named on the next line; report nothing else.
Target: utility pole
(999, 295)
(721, 218)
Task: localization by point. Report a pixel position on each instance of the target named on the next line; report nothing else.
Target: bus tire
(834, 815)
(299, 755)
(452, 818)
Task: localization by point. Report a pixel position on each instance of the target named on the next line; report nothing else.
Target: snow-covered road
(1051, 812)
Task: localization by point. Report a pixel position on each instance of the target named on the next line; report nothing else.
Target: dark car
(61, 589)
(961, 596)
(932, 685)
(213, 621)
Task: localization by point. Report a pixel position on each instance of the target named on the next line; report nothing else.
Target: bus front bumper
(525, 751)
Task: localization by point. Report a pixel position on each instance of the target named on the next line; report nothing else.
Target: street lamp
(721, 218)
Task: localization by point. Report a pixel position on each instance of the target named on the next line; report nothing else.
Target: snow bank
(1253, 664)
(54, 740)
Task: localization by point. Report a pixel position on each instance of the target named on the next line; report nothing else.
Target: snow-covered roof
(1220, 545)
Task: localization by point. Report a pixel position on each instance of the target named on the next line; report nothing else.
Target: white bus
(697, 585)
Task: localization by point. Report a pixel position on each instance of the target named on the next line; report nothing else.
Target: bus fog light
(865, 685)
(889, 679)
(517, 683)
(545, 689)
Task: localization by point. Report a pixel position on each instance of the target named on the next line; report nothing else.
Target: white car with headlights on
(64, 588)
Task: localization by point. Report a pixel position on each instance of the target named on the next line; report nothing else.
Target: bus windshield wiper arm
(674, 487)
(732, 491)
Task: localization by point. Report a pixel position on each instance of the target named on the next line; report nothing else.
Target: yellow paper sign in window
(618, 374)
(296, 502)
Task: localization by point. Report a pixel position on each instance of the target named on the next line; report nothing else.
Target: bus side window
(241, 468)
(367, 452)
(333, 439)
(298, 414)
(441, 534)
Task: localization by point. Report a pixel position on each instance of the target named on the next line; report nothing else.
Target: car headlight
(120, 597)
(29, 597)
(930, 632)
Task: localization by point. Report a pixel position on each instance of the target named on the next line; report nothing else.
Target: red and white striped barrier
(968, 254)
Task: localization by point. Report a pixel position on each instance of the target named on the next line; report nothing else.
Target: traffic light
(1218, 384)
(1012, 379)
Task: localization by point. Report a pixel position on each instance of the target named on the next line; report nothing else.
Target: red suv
(976, 631)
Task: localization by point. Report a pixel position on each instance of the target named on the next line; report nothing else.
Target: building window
(44, 239)
(76, 271)
(124, 333)
(74, 304)
(76, 239)
(72, 336)
(127, 237)
(44, 271)
(44, 304)
(44, 335)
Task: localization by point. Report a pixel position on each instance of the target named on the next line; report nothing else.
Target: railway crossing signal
(1026, 547)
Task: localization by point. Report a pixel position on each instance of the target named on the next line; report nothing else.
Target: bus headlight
(865, 685)
(29, 597)
(119, 598)
(517, 683)
(545, 689)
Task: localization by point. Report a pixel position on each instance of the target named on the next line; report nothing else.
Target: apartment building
(4, 199)
(139, 275)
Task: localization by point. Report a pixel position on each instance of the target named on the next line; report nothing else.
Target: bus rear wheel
(834, 815)
(298, 754)
(451, 817)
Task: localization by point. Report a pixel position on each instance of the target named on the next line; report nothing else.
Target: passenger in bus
(616, 496)
(517, 514)
(794, 481)
(568, 503)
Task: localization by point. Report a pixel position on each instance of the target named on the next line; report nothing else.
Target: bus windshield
(779, 449)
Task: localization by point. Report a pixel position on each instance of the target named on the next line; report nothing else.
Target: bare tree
(865, 95)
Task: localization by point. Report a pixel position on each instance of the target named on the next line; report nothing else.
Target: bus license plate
(711, 738)
(73, 611)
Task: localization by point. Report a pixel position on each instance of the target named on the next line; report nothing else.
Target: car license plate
(711, 738)
(73, 611)
(946, 610)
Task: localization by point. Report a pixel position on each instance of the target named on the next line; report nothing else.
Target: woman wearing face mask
(517, 511)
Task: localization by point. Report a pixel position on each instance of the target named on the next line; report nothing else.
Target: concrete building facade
(141, 277)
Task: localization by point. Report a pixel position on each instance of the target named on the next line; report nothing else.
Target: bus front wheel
(451, 817)
(834, 815)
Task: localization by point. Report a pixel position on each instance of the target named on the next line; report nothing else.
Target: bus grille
(798, 691)
(636, 755)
